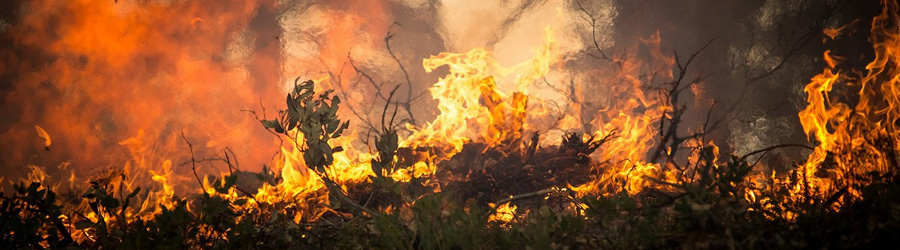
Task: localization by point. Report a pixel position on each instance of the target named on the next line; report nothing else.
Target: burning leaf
(43, 134)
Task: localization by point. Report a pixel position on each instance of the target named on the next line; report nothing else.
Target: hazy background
(95, 73)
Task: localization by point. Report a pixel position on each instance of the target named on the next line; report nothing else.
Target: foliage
(31, 219)
(315, 118)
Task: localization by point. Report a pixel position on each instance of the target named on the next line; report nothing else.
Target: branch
(339, 193)
(193, 162)
(409, 98)
(525, 195)
(593, 21)
(519, 197)
(770, 148)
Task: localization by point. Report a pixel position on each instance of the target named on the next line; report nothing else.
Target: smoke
(94, 73)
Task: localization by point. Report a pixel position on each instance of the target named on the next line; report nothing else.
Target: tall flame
(855, 140)
(470, 102)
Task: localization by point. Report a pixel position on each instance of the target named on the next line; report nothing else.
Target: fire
(631, 114)
(43, 134)
(471, 105)
(854, 139)
(479, 101)
(504, 213)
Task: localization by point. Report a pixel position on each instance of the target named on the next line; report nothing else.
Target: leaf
(273, 124)
(274, 218)
(291, 104)
(393, 141)
(340, 130)
(135, 192)
(81, 225)
(376, 167)
(230, 180)
(306, 90)
(335, 102)
(109, 202)
(332, 126)
(334, 105)
(292, 122)
(326, 93)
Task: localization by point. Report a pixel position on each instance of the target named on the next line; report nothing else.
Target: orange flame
(860, 138)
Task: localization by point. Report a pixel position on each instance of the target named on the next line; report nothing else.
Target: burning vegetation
(617, 147)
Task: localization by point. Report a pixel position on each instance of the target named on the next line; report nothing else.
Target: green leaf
(332, 126)
(340, 130)
(393, 141)
(273, 124)
(334, 105)
(376, 167)
(292, 122)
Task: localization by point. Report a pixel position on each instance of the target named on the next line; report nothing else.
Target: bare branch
(193, 162)
(409, 98)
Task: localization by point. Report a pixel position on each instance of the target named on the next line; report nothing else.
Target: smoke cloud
(96, 73)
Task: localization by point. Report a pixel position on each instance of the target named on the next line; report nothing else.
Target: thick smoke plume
(119, 81)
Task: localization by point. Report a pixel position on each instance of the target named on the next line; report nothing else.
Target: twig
(338, 192)
(390, 124)
(770, 148)
(593, 21)
(519, 197)
(670, 136)
(193, 162)
(409, 98)
(281, 141)
(524, 196)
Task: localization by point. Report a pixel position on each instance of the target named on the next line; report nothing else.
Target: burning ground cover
(612, 148)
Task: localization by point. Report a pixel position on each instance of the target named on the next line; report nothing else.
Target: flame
(632, 114)
(504, 213)
(833, 33)
(43, 134)
(859, 138)
(469, 100)
(471, 105)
